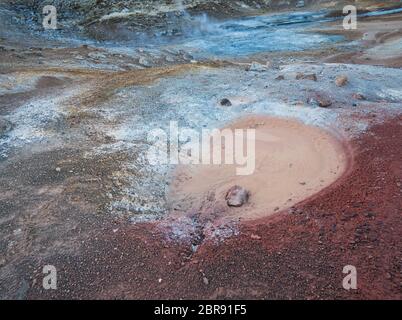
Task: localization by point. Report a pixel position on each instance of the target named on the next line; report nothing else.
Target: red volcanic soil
(297, 254)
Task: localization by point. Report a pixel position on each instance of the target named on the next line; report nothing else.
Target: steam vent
(206, 150)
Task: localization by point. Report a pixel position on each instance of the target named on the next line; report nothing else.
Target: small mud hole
(293, 161)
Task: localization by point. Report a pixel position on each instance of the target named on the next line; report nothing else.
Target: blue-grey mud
(77, 191)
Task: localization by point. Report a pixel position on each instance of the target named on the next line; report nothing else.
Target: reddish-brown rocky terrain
(296, 254)
(76, 194)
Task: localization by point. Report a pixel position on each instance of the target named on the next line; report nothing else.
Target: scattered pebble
(226, 102)
(358, 96)
(324, 103)
(320, 100)
(308, 76)
(341, 81)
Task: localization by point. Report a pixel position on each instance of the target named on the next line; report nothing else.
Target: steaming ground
(117, 121)
(121, 123)
(74, 121)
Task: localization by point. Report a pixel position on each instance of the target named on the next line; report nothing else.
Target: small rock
(341, 81)
(5, 126)
(255, 237)
(280, 77)
(308, 76)
(320, 100)
(358, 96)
(324, 103)
(205, 280)
(58, 169)
(226, 102)
(143, 61)
(237, 196)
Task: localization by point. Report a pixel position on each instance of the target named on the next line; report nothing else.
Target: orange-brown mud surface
(327, 192)
(290, 162)
(296, 254)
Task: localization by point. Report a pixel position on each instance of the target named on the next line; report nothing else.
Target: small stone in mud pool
(226, 102)
(306, 76)
(341, 81)
(237, 196)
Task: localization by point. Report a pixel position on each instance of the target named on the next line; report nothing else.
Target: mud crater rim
(327, 157)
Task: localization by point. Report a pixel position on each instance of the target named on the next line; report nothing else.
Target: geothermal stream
(300, 147)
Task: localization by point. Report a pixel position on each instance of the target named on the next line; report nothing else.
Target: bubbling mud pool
(293, 162)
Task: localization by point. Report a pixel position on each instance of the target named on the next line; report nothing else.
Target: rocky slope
(76, 193)
(118, 19)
